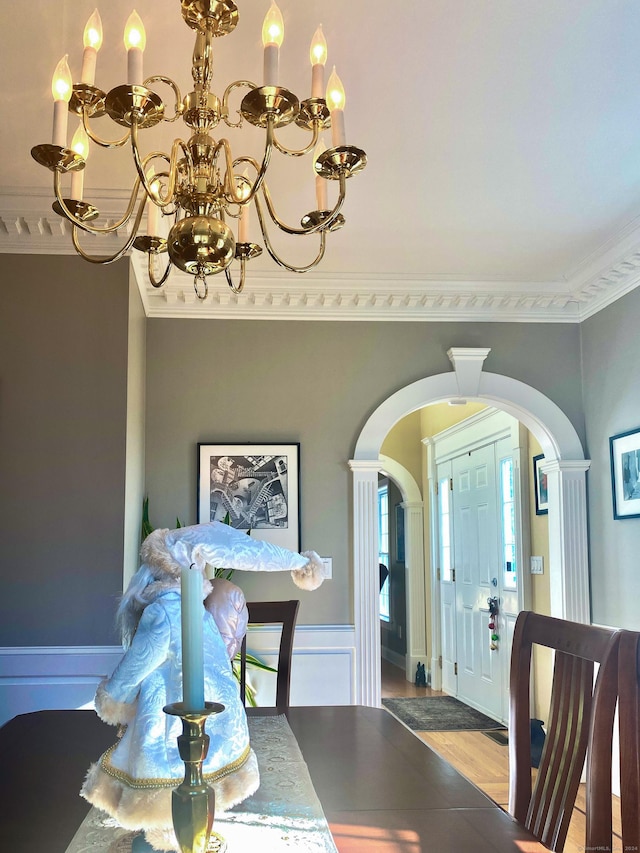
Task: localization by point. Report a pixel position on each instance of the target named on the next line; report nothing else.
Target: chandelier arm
(237, 288)
(178, 109)
(231, 191)
(141, 164)
(275, 256)
(290, 153)
(225, 101)
(109, 259)
(103, 143)
(107, 229)
(154, 281)
(321, 226)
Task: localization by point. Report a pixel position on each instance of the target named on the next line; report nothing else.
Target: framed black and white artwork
(625, 473)
(255, 486)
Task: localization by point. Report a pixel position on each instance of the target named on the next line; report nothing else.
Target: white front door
(479, 551)
(477, 562)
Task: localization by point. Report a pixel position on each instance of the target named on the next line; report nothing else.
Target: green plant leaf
(146, 527)
(252, 660)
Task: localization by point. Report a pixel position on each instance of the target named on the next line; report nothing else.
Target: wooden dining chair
(283, 613)
(629, 729)
(580, 724)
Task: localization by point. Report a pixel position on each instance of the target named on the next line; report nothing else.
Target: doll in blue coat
(133, 779)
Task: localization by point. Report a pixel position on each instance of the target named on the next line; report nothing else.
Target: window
(444, 499)
(508, 523)
(383, 548)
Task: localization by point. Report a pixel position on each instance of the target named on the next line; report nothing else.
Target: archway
(565, 466)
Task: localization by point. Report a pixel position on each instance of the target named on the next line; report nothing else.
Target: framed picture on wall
(625, 473)
(540, 486)
(256, 485)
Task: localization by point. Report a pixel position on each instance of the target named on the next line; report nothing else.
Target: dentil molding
(29, 226)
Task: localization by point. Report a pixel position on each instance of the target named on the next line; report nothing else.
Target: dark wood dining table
(382, 789)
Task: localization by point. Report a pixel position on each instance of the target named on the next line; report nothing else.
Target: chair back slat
(284, 613)
(629, 724)
(580, 724)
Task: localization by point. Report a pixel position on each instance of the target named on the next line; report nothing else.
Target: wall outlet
(537, 567)
(328, 567)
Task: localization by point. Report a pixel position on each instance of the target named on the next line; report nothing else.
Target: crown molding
(29, 226)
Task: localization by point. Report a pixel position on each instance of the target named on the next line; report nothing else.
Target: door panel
(477, 552)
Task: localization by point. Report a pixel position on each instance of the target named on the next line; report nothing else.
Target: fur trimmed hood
(164, 553)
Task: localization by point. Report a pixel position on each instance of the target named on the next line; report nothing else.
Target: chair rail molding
(34, 678)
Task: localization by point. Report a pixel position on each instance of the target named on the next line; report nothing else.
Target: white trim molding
(415, 591)
(35, 678)
(567, 500)
(28, 226)
(366, 581)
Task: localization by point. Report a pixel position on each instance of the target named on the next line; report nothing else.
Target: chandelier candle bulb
(243, 225)
(92, 40)
(192, 612)
(336, 101)
(61, 88)
(272, 36)
(135, 40)
(79, 144)
(321, 184)
(153, 215)
(318, 56)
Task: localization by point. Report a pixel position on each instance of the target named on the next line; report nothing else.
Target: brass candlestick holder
(193, 801)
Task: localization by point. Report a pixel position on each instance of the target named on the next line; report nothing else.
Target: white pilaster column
(416, 589)
(568, 552)
(366, 581)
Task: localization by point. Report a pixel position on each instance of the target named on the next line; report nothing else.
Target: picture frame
(257, 485)
(540, 486)
(624, 451)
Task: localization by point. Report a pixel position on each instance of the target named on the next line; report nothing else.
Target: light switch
(328, 567)
(537, 567)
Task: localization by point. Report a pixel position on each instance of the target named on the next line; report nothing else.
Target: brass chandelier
(200, 185)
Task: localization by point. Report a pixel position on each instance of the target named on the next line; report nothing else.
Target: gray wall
(316, 383)
(63, 387)
(63, 353)
(611, 356)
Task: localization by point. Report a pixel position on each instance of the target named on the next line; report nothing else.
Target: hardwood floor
(483, 761)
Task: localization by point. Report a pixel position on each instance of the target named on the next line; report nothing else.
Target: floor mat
(439, 714)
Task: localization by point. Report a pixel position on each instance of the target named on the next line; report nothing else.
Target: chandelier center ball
(201, 243)
(219, 17)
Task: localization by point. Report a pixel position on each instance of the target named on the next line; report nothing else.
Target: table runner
(283, 815)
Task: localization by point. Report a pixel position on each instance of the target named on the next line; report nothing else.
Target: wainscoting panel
(51, 677)
(33, 678)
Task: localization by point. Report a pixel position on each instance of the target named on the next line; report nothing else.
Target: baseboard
(35, 678)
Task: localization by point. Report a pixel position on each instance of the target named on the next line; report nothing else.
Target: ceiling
(503, 144)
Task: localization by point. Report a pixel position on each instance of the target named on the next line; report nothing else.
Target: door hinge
(437, 487)
(440, 661)
(438, 573)
(450, 484)
(455, 669)
(453, 575)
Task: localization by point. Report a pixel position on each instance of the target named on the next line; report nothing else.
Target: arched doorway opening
(565, 466)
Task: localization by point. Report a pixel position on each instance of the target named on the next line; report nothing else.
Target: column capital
(566, 466)
(365, 465)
